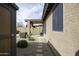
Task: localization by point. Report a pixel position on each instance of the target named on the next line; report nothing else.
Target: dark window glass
(58, 18)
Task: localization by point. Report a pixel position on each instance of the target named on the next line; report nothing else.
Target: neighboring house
(22, 29)
(61, 27)
(34, 26)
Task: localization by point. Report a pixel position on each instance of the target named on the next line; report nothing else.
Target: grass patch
(31, 39)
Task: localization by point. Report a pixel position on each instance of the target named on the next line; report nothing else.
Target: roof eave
(47, 9)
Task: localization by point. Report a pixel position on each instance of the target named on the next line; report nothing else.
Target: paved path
(38, 48)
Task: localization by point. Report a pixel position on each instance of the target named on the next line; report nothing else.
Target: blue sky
(29, 11)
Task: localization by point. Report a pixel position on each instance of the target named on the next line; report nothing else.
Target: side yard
(34, 48)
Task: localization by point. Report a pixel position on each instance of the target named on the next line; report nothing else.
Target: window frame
(57, 23)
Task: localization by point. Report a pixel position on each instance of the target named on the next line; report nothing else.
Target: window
(58, 17)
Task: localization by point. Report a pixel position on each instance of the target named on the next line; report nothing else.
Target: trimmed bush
(22, 44)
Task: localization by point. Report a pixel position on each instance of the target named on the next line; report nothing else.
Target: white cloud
(29, 11)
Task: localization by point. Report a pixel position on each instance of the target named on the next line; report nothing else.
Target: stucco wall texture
(36, 30)
(66, 42)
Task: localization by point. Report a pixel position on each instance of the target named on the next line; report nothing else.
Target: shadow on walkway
(35, 49)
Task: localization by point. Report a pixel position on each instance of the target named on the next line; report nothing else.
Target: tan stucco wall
(66, 42)
(30, 28)
(36, 30)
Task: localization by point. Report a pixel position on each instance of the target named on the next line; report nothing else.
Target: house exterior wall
(28, 27)
(31, 30)
(36, 30)
(66, 42)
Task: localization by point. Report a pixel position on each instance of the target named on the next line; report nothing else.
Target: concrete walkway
(36, 48)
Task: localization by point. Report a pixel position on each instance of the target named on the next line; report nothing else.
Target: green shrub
(22, 44)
